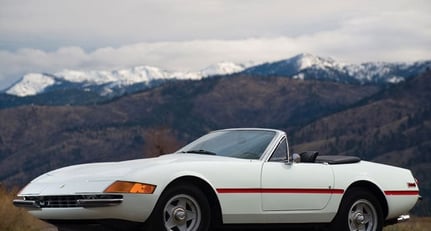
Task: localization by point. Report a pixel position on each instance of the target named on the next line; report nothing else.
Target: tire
(181, 208)
(359, 210)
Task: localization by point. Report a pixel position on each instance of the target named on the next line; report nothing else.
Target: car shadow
(293, 228)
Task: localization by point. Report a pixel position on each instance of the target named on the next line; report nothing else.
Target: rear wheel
(181, 208)
(359, 211)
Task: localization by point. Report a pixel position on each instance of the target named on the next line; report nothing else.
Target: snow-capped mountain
(112, 83)
(307, 66)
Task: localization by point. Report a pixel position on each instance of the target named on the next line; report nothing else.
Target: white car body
(248, 191)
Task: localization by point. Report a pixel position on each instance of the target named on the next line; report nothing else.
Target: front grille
(70, 201)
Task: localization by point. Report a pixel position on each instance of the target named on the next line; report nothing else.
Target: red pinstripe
(281, 190)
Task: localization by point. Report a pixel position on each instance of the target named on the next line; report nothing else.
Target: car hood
(98, 176)
(110, 170)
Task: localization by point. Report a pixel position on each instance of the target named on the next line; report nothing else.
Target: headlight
(130, 187)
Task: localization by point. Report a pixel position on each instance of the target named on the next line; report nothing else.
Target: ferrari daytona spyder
(227, 177)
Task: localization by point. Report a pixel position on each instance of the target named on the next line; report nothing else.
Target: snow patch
(222, 68)
(31, 84)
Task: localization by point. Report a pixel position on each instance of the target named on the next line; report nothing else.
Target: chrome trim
(99, 202)
(68, 201)
(403, 218)
(25, 203)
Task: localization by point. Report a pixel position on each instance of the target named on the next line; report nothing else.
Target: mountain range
(307, 66)
(74, 87)
(382, 122)
(111, 82)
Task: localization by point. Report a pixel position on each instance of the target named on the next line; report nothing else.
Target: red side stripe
(239, 190)
(280, 190)
(401, 193)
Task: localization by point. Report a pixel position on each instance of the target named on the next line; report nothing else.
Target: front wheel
(359, 211)
(181, 208)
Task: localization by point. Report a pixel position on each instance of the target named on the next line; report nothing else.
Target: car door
(296, 186)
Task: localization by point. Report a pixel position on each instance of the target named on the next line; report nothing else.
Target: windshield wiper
(200, 151)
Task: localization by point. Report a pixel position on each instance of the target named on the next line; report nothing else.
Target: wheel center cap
(179, 214)
(359, 218)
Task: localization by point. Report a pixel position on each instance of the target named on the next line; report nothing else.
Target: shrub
(16, 219)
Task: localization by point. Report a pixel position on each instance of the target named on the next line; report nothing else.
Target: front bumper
(126, 207)
(68, 201)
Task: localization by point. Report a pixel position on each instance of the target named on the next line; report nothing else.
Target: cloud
(50, 24)
(49, 36)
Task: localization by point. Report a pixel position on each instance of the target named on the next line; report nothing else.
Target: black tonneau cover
(333, 159)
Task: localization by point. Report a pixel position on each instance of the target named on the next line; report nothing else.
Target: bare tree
(159, 141)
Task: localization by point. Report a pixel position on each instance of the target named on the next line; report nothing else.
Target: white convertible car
(227, 177)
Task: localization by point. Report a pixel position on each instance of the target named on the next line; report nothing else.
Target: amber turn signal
(130, 187)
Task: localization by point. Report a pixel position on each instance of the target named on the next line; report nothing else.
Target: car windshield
(246, 144)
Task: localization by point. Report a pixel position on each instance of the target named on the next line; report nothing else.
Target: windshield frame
(276, 136)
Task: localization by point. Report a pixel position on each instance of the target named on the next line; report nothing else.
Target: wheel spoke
(367, 218)
(169, 208)
(360, 208)
(182, 227)
(170, 223)
(182, 203)
(352, 215)
(191, 215)
(362, 228)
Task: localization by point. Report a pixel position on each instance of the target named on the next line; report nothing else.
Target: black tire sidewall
(340, 222)
(156, 223)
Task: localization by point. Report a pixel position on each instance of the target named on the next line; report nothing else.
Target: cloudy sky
(188, 35)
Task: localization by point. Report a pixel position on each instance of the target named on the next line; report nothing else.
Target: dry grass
(416, 224)
(15, 219)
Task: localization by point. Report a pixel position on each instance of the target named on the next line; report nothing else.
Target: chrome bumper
(80, 203)
(38, 202)
(403, 218)
(25, 204)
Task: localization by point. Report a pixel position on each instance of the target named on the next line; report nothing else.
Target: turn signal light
(130, 187)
